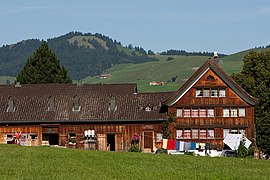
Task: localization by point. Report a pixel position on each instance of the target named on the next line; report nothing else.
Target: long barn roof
(31, 103)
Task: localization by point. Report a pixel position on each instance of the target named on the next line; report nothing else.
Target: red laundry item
(171, 144)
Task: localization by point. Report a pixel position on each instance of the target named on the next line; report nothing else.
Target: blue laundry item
(187, 146)
(193, 146)
(177, 145)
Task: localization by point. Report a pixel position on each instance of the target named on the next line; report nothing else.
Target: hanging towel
(182, 143)
(177, 145)
(197, 146)
(192, 145)
(187, 146)
(171, 144)
(164, 143)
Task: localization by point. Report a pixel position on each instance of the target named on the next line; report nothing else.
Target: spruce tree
(43, 67)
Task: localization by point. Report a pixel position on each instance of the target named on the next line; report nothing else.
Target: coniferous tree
(43, 67)
(255, 79)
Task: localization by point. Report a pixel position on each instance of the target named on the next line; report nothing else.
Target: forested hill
(82, 54)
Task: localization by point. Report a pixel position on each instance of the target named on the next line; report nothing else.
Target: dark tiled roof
(31, 103)
(213, 66)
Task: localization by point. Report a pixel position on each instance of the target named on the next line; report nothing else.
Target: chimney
(215, 58)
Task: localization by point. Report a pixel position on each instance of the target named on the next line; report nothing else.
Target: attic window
(10, 107)
(112, 104)
(76, 104)
(148, 108)
(51, 104)
(210, 78)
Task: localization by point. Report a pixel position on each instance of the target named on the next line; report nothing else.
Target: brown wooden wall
(123, 133)
(218, 122)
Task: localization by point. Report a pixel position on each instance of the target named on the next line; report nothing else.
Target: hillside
(165, 69)
(82, 54)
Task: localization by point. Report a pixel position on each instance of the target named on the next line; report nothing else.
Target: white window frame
(187, 133)
(242, 112)
(214, 92)
(206, 92)
(226, 112)
(210, 134)
(222, 92)
(210, 112)
(225, 132)
(195, 131)
(199, 92)
(179, 134)
(195, 112)
(202, 132)
(202, 110)
(234, 112)
(186, 112)
(179, 112)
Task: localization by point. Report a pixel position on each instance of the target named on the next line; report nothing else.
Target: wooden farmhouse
(210, 105)
(207, 107)
(59, 113)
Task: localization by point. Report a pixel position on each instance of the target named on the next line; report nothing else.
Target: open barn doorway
(111, 142)
(52, 138)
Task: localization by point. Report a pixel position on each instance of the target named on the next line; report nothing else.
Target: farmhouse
(55, 114)
(108, 116)
(209, 106)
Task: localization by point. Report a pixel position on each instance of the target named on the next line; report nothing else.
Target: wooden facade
(209, 106)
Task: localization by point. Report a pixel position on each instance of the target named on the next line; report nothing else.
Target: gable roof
(210, 64)
(31, 103)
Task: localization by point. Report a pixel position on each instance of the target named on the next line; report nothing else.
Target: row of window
(204, 133)
(210, 112)
(210, 92)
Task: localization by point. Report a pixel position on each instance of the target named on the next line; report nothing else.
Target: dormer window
(10, 107)
(112, 104)
(76, 104)
(51, 104)
(148, 108)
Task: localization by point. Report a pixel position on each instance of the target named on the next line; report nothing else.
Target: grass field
(54, 163)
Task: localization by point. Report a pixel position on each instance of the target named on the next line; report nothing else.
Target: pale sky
(226, 26)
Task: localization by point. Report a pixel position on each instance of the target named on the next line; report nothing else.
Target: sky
(226, 26)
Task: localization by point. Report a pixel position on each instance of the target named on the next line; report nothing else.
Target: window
(210, 78)
(9, 138)
(147, 109)
(194, 133)
(202, 112)
(202, 133)
(72, 137)
(233, 112)
(210, 113)
(226, 112)
(10, 105)
(198, 92)
(113, 107)
(214, 93)
(187, 134)
(210, 134)
(194, 113)
(179, 134)
(33, 136)
(51, 104)
(186, 112)
(242, 112)
(225, 132)
(179, 113)
(234, 131)
(159, 137)
(222, 93)
(206, 92)
(76, 104)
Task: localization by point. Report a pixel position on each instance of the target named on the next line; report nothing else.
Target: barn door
(101, 140)
(118, 142)
(148, 140)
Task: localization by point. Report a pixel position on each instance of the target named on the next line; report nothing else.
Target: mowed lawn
(55, 163)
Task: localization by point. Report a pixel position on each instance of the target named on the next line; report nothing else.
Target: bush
(189, 153)
(134, 148)
(161, 151)
(242, 150)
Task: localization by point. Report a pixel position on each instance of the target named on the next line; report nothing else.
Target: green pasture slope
(162, 70)
(54, 163)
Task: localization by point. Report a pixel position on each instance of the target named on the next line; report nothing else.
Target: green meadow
(19, 162)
